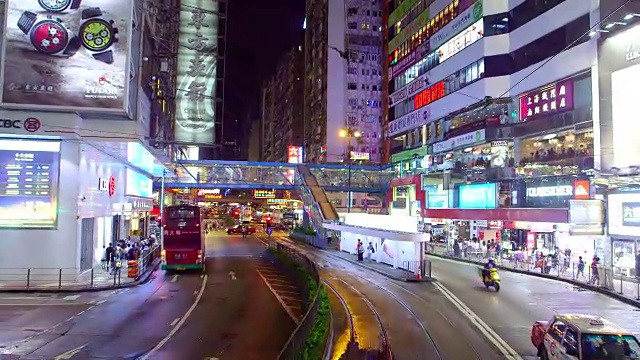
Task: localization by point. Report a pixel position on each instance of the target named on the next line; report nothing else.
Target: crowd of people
(125, 250)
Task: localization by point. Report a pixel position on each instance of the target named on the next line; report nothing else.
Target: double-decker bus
(184, 238)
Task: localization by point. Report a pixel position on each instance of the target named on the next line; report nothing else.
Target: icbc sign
(429, 95)
(112, 186)
(29, 124)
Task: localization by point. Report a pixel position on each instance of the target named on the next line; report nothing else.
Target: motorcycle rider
(491, 264)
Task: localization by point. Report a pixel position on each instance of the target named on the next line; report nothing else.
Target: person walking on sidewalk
(595, 274)
(360, 250)
(370, 251)
(580, 268)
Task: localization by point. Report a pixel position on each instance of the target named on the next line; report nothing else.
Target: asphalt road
(175, 316)
(524, 299)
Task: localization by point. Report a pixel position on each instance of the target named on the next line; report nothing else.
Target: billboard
(196, 78)
(67, 54)
(29, 183)
(478, 196)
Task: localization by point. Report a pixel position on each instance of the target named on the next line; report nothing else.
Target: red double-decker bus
(184, 238)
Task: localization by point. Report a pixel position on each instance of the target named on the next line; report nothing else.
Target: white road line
(71, 297)
(175, 321)
(504, 348)
(280, 300)
(180, 323)
(101, 302)
(175, 278)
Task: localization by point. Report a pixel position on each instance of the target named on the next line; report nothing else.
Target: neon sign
(429, 95)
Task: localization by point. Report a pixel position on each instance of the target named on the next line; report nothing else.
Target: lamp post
(349, 134)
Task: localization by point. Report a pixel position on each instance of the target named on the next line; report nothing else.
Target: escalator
(315, 194)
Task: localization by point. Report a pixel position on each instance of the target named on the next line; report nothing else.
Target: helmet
(490, 260)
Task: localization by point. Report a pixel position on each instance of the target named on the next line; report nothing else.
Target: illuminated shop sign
(417, 85)
(397, 96)
(551, 99)
(213, 196)
(196, 76)
(550, 191)
(360, 156)
(264, 194)
(295, 154)
(427, 96)
(107, 185)
(277, 201)
(462, 21)
(420, 52)
(469, 36)
(59, 56)
(478, 196)
(458, 141)
(409, 121)
(29, 190)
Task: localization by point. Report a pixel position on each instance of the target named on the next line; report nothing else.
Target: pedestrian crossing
(282, 287)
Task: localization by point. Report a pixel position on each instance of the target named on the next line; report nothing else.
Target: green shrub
(306, 230)
(314, 345)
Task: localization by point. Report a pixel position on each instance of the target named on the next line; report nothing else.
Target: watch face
(54, 5)
(97, 34)
(49, 36)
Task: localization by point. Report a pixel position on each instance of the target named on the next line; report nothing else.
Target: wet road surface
(175, 316)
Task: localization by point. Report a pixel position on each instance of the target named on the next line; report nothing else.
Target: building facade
(281, 113)
(343, 80)
(490, 120)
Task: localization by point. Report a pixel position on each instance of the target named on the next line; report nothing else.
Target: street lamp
(349, 134)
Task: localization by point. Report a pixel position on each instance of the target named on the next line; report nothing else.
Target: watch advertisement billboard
(478, 196)
(69, 54)
(196, 77)
(29, 183)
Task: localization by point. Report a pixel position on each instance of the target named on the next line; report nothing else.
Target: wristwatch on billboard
(49, 35)
(59, 5)
(98, 34)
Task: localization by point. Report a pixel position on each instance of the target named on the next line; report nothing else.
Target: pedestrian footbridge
(311, 181)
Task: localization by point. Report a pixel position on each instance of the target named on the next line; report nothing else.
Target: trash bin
(132, 268)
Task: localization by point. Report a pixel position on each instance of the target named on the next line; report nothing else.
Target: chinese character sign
(196, 78)
(429, 95)
(70, 55)
(549, 100)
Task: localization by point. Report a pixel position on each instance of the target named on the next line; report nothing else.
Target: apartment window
(352, 11)
(364, 26)
(352, 86)
(352, 25)
(353, 102)
(352, 71)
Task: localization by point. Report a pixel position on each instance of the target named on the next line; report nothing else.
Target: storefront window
(559, 150)
(472, 158)
(624, 257)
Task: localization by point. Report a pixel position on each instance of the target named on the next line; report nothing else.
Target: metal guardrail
(71, 278)
(295, 345)
(417, 270)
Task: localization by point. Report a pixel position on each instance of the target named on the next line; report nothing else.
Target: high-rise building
(281, 114)
(343, 80)
(490, 108)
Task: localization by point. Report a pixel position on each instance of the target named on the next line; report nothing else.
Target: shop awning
(532, 215)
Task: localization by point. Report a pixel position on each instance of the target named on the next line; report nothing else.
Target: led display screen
(469, 36)
(478, 196)
(67, 54)
(138, 184)
(29, 183)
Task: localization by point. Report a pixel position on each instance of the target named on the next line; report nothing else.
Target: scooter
(491, 278)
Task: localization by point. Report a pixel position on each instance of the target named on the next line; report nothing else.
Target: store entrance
(86, 244)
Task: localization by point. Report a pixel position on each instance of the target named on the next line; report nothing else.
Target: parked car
(238, 230)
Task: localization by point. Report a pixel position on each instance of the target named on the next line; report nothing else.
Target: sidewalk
(625, 290)
(383, 269)
(68, 280)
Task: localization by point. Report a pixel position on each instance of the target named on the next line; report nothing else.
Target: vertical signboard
(197, 61)
(71, 55)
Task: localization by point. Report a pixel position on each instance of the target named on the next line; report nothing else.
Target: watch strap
(75, 4)
(26, 21)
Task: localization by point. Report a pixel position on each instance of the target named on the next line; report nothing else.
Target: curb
(143, 280)
(598, 289)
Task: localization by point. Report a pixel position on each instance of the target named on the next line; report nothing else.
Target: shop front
(623, 215)
(406, 196)
(552, 191)
(410, 162)
(139, 202)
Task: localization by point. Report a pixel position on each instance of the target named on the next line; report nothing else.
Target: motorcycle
(490, 278)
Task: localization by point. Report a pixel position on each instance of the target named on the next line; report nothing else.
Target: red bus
(184, 238)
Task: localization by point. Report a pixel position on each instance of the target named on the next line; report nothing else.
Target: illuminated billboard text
(67, 54)
(429, 95)
(196, 78)
(467, 37)
(264, 194)
(28, 183)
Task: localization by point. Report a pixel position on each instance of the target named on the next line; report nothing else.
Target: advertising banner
(478, 196)
(459, 23)
(138, 184)
(469, 36)
(409, 121)
(196, 79)
(549, 100)
(462, 140)
(406, 62)
(29, 172)
(67, 54)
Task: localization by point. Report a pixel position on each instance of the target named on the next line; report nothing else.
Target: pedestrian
(360, 251)
(370, 251)
(580, 268)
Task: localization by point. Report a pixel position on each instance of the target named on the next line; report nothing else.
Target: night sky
(259, 33)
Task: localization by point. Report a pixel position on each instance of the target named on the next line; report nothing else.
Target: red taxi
(238, 230)
(583, 337)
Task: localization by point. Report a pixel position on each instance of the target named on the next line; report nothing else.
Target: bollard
(28, 277)
(621, 292)
(637, 289)
(114, 276)
(91, 277)
(119, 277)
(59, 278)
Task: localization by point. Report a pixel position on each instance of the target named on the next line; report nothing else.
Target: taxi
(583, 337)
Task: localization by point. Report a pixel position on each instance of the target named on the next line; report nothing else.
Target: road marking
(286, 307)
(101, 302)
(71, 297)
(504, 348)
(174, 278)
(232, 275)
(71, 353)
(180, 323)
(174, 322)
